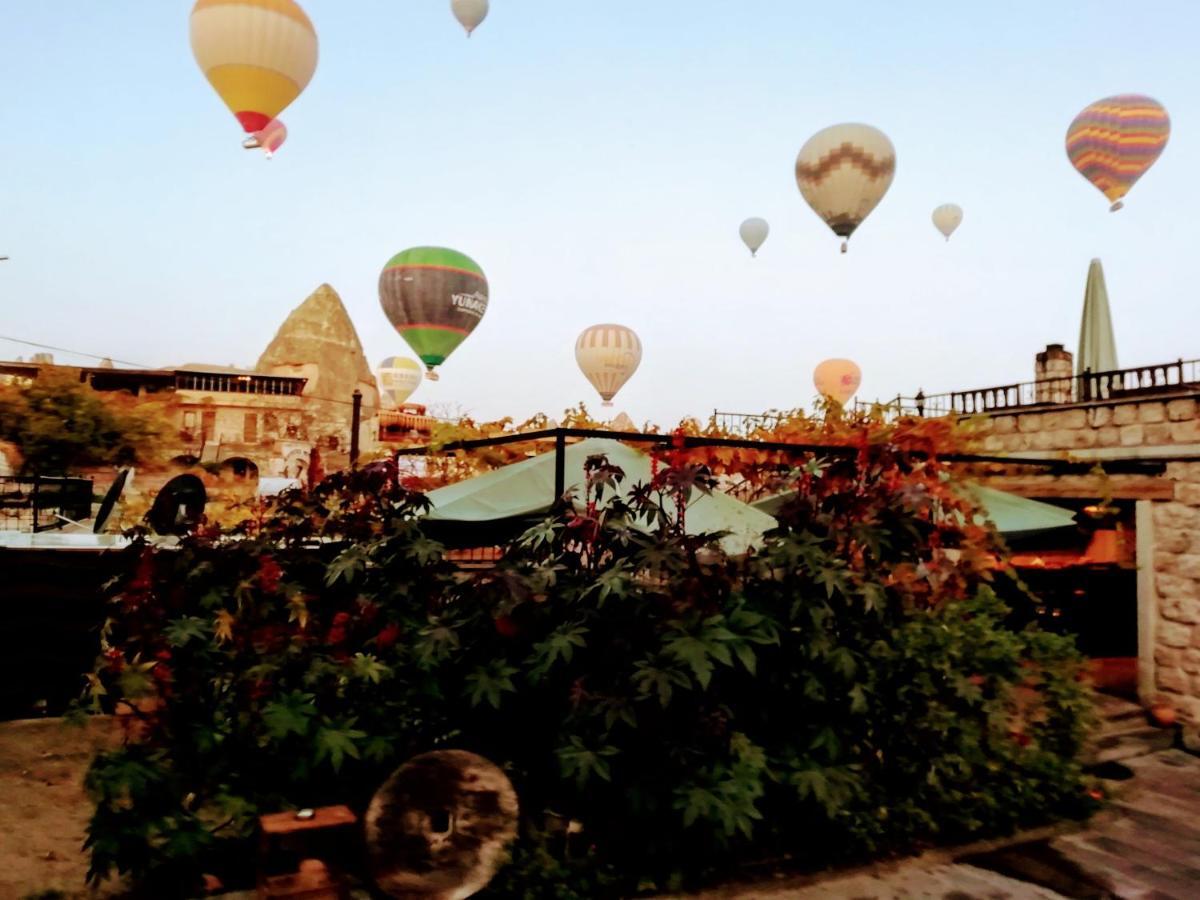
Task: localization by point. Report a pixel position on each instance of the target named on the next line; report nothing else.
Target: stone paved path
(1145, 847)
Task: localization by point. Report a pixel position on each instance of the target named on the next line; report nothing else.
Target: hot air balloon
(843, 172)
(754, 232)
(399, 377)
(434, 298)
(259, 55)
(947, 218)
(470, 13)
(1116, 140)
(608, 355)
(837, 379)
(270, 139)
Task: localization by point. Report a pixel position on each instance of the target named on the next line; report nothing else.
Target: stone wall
(1176, 584)
(1148, 423)
(1168, 519)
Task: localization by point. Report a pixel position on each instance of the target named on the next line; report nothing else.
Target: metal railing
(746, 423)
(1163, 379)
(41, 503)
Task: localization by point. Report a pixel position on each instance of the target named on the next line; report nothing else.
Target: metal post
(560, 464)
(355, 422)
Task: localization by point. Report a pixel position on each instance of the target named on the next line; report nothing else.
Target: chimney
(1053, 372)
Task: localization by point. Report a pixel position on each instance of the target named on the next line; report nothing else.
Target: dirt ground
(43, 808)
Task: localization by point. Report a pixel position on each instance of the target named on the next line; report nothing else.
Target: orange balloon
(837, 379)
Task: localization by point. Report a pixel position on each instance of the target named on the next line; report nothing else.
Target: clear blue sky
(596, 159)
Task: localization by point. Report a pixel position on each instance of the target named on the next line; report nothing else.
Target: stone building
(319, 344)
(263, 421)
(1141, 427)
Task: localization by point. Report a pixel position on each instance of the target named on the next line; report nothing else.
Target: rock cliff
(318, 342)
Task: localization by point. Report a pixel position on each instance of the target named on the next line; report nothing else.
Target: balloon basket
(431, 375)
(845, 246)
(607, 403)
(251, 143)
(1116, 206)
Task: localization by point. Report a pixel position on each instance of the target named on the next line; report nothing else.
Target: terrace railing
(1162, 379)
(39, 503)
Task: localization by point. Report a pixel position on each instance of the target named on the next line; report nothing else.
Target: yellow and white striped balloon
(258, 55)
(608, 355)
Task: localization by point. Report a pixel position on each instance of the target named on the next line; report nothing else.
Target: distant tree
(59, 424)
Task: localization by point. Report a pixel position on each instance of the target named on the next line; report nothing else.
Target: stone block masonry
(1168, 523)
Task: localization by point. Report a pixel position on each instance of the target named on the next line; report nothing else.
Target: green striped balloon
(434, 297)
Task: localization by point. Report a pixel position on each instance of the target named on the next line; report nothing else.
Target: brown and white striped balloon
(608, 355)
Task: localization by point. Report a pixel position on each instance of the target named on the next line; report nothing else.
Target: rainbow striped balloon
(1116, 140)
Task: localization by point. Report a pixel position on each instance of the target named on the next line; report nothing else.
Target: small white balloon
(754, 233)
(470, 13)
(947, 217)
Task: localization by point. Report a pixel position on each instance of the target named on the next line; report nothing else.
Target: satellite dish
(439, 828)
(179, 506)
(108, 504)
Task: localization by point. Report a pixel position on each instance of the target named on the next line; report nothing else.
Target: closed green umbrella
(1097, 346)
(1013, 516)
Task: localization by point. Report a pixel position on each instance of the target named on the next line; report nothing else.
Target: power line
(136, 365)
(123, 362)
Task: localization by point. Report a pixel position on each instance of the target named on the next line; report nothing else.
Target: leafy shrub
(666, 713)
(60, 425)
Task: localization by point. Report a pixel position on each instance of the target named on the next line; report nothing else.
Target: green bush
(848, 691)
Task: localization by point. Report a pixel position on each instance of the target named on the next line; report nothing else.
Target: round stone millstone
(439, 827)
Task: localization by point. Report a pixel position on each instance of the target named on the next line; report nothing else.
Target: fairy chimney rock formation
(318, 342)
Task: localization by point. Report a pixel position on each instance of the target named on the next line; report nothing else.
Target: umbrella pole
(560, 464)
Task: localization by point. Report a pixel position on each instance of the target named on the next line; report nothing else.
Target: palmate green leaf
(347, 565)
(186, 628)
(136, 681)
(581, 763)
(426, 551)
(335, 744)
(858, 699)
(560, 645)
(490, 682)
(695, 803)
(696, 654)
(542, 534)
(367, 667)
(651, 680)
(124, 775)
(438, 643)
(290, 714)
(379, 748)
(874, 597)
(811, 783)
(826, 739)
(843, 661)
(613, 582)
(662, 557)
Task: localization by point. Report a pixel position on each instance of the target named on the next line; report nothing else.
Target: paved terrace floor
(1146, 846)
